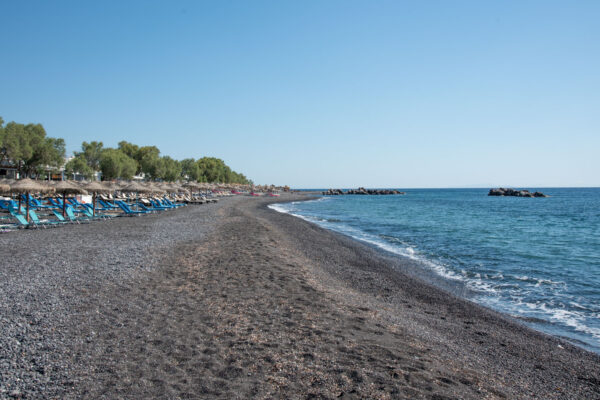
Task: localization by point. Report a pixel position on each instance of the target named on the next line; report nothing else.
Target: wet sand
(235, 300)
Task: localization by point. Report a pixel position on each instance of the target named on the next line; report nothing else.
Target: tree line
(34, 154)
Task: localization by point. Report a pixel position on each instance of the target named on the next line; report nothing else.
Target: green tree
(48, 154)
(17, 146)
(79, 165)
(149, 160)
(116, 164)
(129, 148)
(92, 153)
(190, 169)
(211, 169)
(133, 151)
(30, 149)
(239, 178)
(32, 152)
(1, 132)
(170, 169)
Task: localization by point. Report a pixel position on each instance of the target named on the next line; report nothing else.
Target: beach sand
(234, 300)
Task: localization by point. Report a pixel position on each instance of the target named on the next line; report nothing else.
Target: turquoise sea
(537, 259)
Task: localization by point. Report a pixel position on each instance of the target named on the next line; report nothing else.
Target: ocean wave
(537, 282)
(573, 319)
(279, 208)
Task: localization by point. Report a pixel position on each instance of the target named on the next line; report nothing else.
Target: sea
(536, 259)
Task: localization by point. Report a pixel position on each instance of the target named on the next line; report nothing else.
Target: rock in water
(362, 191)
(514, 193)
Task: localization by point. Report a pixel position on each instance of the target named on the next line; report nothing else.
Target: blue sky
(320, 93)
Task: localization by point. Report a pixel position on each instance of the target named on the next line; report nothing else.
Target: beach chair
(143, 207)
(156, 204)
(38, 204)
(75, 202)
(60, 218)
(36, 220)
(162, 203)
(55, 202)
(73, 218)
(8, 205)
(20, 219)
(170, 203)
(88, 211)
(106, 204)
(127, 210)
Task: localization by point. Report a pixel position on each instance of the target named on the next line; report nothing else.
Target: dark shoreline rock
(362, 191)
(515, 193)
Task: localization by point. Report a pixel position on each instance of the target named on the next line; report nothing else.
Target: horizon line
(449, 187)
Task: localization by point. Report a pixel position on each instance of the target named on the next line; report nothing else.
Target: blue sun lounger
(154, 206)
(127, 210)
(73, 218)
(107, 205)
(60, 218)
(36, 220)
(20, 219)
(168, 202)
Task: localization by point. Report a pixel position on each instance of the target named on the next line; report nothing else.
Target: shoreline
(235, 300)
(397, 265)
(438, 276)
(410, 266)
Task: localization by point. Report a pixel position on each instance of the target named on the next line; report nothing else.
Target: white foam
(278, 208)
(573, 319)
(538, 282)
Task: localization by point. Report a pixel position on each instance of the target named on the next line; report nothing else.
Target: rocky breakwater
(361, 190)
(515, 193)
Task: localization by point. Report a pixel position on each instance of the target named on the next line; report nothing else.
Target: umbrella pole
(94, 205)
(64, 203)
(27, 207)
(19, 196)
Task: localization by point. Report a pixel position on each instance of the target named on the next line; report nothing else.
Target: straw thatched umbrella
(120, 185)
(4, 188)
(28, 186)
(178, 187)
(112, 186)
(156, 189)
(66, 187)
(95, 188)
(168, 188)
(191, 186)
(149, 186)
(136, 188)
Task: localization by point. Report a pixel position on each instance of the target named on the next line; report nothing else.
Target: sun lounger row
(52, 212)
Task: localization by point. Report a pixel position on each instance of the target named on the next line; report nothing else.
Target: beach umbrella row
(29, 186)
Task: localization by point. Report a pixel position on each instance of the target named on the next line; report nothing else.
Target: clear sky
(320, 93)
